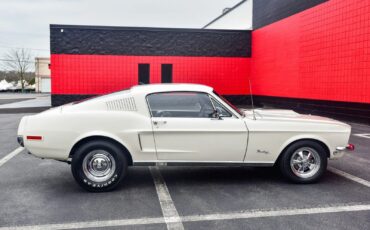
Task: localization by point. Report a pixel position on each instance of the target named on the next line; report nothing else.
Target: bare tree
(19, 61)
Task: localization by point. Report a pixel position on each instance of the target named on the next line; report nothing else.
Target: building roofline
(93, 27)
(223, 14)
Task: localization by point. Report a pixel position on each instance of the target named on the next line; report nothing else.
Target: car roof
(152, 88)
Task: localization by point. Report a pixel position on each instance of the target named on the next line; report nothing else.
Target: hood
(288, 115)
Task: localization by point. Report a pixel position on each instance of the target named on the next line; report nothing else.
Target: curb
(24, 110)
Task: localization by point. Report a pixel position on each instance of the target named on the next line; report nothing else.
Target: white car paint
(125, 117)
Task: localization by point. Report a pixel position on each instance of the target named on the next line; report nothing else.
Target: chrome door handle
(159, 122)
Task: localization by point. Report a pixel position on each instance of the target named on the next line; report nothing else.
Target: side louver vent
(124, 104)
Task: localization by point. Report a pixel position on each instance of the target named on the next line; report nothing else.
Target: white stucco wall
(42, 72)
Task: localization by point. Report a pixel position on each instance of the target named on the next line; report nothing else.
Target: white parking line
(349, 176)
(364, 135)
(10, 155)
(277, 213)
(90, 224)
(248, 214)
(170, 214)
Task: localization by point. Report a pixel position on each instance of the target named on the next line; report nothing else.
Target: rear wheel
(304, 162)
(99, 166)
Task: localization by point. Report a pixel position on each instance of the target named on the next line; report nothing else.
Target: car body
(179, 124)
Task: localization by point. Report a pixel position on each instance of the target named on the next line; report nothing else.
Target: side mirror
(219, 111)
(216, 115)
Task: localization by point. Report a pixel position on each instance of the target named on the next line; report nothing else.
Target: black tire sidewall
(287, 154)
(111, 183)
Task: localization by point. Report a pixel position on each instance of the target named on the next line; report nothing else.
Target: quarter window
(180, 104)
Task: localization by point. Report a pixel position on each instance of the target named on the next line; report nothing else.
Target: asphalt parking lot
(42, 194)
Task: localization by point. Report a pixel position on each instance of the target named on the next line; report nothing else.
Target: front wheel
(304, 162)
(99, 166)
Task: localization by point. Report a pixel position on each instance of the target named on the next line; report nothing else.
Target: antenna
(250, 90)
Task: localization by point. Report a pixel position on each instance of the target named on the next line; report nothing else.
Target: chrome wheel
(99, 165)
(305, 162)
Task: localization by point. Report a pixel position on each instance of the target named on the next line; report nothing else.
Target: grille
(124, 104)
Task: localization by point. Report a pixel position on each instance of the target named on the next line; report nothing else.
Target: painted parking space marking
(349, 176)
(247, 214)
(278, 213)
(170, 214)
(364, 135)
(90, 224)
(10, 155)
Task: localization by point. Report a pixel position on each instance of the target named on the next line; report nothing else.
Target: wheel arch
(86, 139)
(320, 142)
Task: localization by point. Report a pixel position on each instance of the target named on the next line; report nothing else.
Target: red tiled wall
(320, 53)
(100, 74)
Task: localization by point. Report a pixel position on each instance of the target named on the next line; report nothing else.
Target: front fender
(303, 137)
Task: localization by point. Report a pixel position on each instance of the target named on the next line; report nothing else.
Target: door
(144, 74)
(45, 85)
(186, 128)
(166, 73)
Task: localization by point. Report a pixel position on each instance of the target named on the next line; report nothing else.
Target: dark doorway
(166, 73)
(144, 74)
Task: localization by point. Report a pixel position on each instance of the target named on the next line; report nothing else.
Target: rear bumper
(20, 140)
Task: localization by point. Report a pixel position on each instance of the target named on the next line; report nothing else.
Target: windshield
(227, 102)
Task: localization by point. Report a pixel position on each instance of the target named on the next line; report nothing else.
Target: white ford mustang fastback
(179, 124)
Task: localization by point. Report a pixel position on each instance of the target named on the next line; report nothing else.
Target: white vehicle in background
(179, 124)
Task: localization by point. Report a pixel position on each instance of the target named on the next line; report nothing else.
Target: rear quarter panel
(61, 131)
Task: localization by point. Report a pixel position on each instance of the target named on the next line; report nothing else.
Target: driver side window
(180, 104)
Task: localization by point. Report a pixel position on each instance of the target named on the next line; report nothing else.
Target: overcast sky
(25, 23)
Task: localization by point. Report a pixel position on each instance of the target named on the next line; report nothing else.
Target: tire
(313, 163)
(99, 166)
